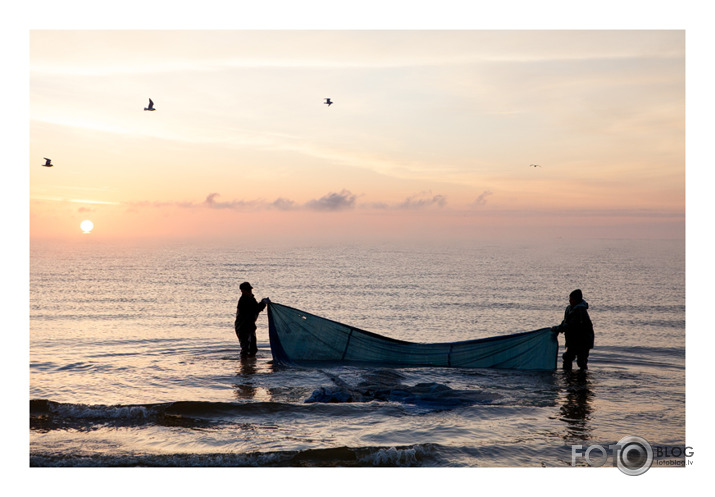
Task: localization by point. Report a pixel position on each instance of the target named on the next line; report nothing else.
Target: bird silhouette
(328, 101)
(48, 162)
(151, 105)
(534, 165)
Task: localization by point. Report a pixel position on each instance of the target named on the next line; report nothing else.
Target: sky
(432, 133)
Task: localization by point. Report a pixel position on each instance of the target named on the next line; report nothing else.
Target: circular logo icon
(635, 456)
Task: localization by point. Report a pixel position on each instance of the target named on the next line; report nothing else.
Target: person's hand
(266, 301)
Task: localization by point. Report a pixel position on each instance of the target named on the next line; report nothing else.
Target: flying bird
(534, 165)
(48, 162)
(328, 101)
(151, 105)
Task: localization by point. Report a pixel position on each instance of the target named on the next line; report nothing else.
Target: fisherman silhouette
(578, 331)
(247, 312)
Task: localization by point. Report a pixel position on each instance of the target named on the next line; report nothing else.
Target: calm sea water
(134, 361)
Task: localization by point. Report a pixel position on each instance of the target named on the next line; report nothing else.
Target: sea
(134, 361)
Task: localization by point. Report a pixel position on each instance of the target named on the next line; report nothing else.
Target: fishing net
(301, 338)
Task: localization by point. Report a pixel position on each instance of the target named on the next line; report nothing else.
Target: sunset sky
(432, 133)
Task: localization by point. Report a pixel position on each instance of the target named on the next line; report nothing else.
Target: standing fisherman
(247, 312)
(578, 330)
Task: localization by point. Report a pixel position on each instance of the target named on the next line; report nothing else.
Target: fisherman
(247, 312)
(578, 330)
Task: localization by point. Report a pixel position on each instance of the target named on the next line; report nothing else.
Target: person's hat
(245, 286)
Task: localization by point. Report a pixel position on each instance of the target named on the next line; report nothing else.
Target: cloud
(211, 199)
(482, 199)
(418, 201)
(330, 202)
(422, 200)
(212, 203)
(283, 204)
(333, 202)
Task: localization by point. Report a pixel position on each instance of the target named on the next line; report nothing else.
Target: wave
(339, 399)
(392, 456)
(534, 453)
(47, 415)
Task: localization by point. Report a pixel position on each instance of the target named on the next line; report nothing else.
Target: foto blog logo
(632, 455)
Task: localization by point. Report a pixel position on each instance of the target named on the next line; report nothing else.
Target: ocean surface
(134, 360)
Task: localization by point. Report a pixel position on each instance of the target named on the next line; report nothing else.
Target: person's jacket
(247, 312)
(577, 326)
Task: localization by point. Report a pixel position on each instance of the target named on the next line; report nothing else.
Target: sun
(86, 226)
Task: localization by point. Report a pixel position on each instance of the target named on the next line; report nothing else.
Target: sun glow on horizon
(87, 226)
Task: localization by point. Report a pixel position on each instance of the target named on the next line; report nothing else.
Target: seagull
(151, 105)
(48, 162)
(534, 165)
(328, 101)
